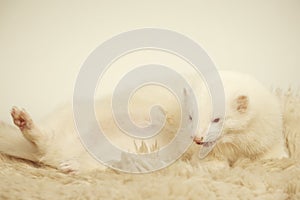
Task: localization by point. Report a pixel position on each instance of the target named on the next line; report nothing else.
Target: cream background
(44, 43)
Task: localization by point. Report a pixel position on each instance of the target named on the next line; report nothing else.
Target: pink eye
(216, 120)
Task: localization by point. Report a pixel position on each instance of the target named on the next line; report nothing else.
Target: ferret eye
(216, 120)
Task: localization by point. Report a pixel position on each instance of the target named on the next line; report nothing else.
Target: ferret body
(252, 128)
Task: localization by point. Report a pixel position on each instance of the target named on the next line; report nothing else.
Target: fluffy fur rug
(265, 179)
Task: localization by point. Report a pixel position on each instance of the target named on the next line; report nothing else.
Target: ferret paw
(69, 166)
(21, 118)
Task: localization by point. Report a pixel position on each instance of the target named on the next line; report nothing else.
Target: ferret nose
(198, 140)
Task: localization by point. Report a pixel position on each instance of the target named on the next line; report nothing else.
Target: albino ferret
(252, 128)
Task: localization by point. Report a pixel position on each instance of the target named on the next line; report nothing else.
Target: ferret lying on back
(252, 129)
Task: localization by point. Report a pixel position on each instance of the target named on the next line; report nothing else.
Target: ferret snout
(198, 140)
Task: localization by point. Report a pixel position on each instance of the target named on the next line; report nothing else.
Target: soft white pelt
(246, 179)
(251, 128)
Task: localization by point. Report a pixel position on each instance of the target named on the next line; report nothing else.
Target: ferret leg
(28, 128)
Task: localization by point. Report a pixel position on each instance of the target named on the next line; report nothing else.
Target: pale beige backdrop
(44, 43)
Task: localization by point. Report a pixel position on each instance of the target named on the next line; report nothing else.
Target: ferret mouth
(205, 144)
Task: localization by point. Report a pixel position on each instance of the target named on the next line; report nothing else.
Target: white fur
(256, 132)
(253, 122)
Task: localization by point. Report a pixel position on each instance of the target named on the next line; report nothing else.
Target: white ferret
(252, 128)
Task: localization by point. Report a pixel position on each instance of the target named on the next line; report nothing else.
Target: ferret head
(213, 129)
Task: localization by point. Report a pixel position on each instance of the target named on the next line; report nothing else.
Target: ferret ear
(241, 103)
